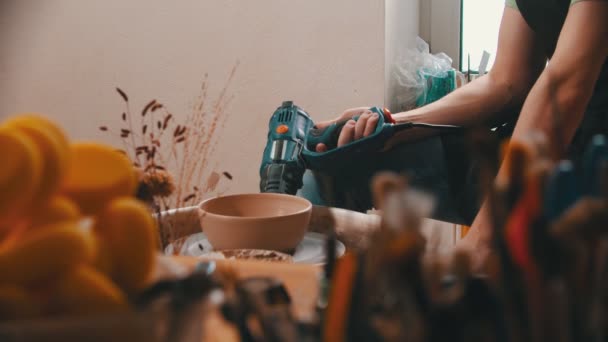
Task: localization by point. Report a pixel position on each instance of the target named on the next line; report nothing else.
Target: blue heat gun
(293, 137)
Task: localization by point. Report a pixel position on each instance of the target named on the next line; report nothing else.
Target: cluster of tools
(545, 278)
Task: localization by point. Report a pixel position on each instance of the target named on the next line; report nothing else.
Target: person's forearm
(559, 96)
(478, 102)
(487, 100)
(555, 108)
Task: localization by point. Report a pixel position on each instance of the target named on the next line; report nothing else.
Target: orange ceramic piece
(57, 209)
(17, 303)
(13, 234)
(19, 175)
(40, 120)
(340, 299)
(130, 235)
(103, 256)
(255, 221)
(98, 174)
(53, 145)
(85, 291)
(45, 253)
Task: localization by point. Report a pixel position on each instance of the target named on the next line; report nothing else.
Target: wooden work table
(354, 229)
(301, 280)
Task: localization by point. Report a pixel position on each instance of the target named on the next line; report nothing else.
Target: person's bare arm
(487, 100)
(562, 91)
(566, 85)
(518, 63)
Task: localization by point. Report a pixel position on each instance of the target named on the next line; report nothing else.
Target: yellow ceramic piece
(97, 174)
(48, 125)
(86, 291)
(17, 303)
(57, 209)
(19, 174)
(103, 256)
(45, 253)
(53, 145)
(13, 234)
(129, 230)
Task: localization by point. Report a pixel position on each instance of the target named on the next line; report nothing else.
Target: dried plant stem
(186, 150)
(125, 142)
(218, 108)
(130, 121)
(182, 172)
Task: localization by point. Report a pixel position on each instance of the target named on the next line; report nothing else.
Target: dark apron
(443, 165)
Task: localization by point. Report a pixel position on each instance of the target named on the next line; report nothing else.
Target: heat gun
(291, 146)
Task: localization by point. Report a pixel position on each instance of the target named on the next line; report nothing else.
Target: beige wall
(65, 57)
(402, 27)
(440, 27)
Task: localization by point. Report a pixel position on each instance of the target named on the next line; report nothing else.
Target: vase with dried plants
(173, 158)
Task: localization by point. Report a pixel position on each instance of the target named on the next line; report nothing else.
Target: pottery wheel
(310, 251)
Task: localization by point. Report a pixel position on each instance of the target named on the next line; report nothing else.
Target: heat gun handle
(330, 134)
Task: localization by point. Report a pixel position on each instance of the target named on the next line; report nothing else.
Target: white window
(480, 23)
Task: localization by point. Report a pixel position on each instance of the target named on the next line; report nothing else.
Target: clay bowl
(255, 221)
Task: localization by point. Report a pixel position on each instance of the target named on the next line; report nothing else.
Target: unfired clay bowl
(255, 221)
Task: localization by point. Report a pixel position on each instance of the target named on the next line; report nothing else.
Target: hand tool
(260, 307)
(565, 185)
(185, 298)
(563, 190)
(292, 139)
(328, 269)
(595, 154)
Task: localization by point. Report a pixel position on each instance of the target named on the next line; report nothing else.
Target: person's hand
(478, 241)
(352, 130)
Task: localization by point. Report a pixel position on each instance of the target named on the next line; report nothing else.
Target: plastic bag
(419, 76)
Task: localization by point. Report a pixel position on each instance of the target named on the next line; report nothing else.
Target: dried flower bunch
(174, 159)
